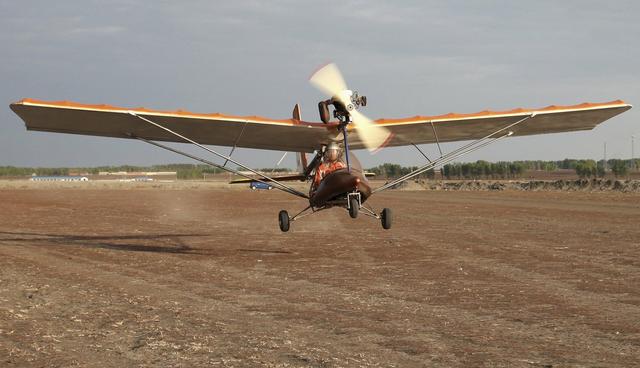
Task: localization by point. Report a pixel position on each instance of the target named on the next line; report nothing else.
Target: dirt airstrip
(180, 276)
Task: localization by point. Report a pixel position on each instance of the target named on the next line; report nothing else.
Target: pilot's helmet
(333, 151)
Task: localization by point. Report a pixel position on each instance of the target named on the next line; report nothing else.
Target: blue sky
(255, 57)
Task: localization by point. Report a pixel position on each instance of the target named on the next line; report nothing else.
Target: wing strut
(279, 162)
(436, 135)
(346, 147)
(468, 148)
(419, 150)
(236, 142)
(274, 183)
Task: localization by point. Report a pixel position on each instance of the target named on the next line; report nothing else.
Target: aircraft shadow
(173, 242)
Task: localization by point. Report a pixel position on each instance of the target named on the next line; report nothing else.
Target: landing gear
(354, 202)
(283, 220)
(354, 205)
(385, 218)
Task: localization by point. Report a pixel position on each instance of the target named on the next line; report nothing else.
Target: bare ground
(100, 277)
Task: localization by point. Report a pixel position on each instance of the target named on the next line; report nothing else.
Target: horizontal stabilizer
(295, 177)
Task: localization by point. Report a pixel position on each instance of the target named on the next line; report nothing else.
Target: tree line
(470, 170)
(183, 171)
(484, 170)
(515, 169)
(593, 169)
(394, 171)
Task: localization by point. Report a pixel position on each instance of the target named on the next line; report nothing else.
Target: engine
(342, 103)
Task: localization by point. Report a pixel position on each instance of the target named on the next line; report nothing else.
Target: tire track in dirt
(227, 307)
(365, 298)
(460, 318)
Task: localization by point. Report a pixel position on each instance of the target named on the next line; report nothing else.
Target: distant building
(139, 178)
(138, 173)
(59, 178)
(143, 178)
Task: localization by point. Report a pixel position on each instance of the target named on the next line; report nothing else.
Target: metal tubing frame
(438, 163)
(302, 213)
(278, 163)
(358, 197)
(436, 136)
(346, 147)
(369, 212)
(278, 185)
(212, 164)
(468, 148)
(419, 150)
(235, 144)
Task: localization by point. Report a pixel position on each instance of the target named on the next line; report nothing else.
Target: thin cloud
(254, 57)
(375, 13)
(102, 30)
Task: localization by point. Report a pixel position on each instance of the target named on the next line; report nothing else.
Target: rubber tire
(385, 218)
(353, 207)
(283, 220)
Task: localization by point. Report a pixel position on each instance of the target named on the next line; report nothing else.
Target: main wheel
(283, 220)
(353, 207)
(385, 218)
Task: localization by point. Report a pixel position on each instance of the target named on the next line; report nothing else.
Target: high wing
(213, 129)
(300, 136)
(460, 127)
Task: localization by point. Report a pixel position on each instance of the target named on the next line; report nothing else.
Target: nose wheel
(354, 205)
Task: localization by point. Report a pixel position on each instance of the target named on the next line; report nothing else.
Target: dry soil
(159, 276)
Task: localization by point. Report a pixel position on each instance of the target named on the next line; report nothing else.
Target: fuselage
(337, 185)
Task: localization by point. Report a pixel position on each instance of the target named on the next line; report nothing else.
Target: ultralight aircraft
(341, 123)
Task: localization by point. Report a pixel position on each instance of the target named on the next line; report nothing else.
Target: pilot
(329, 164)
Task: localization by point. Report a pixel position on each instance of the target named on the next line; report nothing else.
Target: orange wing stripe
(484, 113)
(144, 110)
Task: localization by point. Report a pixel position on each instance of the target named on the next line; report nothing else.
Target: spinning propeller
(329, 80)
